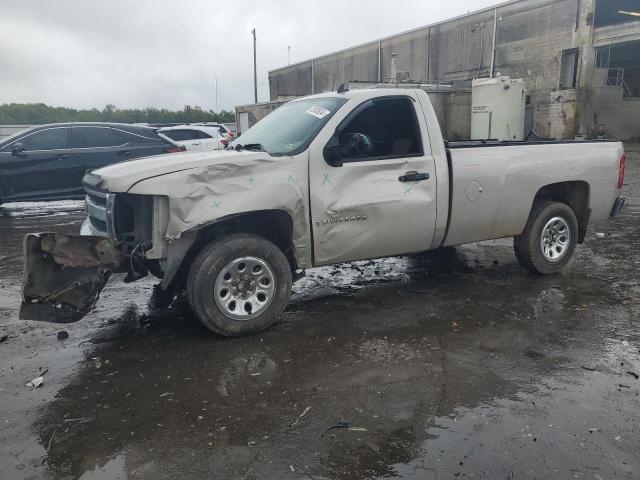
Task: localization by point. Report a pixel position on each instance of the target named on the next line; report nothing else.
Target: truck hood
(120, 177)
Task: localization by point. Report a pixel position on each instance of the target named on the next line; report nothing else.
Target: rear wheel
(239, 285)
(549, 238)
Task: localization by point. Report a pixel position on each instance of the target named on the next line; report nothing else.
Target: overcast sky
(161, 53)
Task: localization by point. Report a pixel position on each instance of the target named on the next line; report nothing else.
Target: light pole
(289, 55)
(216, 79)
(255, 68)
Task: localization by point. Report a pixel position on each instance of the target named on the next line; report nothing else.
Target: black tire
(528, 247)
(211, 261)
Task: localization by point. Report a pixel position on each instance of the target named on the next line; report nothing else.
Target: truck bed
(493, 184)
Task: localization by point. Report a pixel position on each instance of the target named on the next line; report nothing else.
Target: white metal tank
(498, 108)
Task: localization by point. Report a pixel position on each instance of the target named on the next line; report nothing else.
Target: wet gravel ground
(458, 365)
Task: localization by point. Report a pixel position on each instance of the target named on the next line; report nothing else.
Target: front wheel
(549, 238)
(239, 285)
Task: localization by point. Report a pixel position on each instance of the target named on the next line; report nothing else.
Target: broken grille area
(98, 204)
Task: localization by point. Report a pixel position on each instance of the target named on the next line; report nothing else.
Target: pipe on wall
(429, 55)
(379, 62)
(493, 49)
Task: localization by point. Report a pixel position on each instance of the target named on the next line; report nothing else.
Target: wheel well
(576, 195)
(274, 225)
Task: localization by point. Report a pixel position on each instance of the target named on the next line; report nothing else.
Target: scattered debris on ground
(51, 440)
(306, 410)
(38, 381)
(341, 424)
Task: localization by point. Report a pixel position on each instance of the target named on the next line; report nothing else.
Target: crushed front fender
(64, 275)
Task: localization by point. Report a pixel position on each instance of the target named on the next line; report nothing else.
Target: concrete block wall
(531, 38)
(412, 51)
(331, 71)
(453, 110)
(461, 49)
(293, 81)
(531, 35)
(618, 115)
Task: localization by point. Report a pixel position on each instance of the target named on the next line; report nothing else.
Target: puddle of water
(114, 469)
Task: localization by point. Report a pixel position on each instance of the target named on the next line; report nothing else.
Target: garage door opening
(622, 62)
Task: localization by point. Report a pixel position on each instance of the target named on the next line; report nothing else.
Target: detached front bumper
(64, 275)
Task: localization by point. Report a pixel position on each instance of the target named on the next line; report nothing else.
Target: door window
(569, 69)
(380, 129)
(50, 139)
(95, 137)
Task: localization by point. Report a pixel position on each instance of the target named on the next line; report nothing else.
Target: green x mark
(408, 190)
(216, 204)
(291, 178)
(251, 180)
(326, 179)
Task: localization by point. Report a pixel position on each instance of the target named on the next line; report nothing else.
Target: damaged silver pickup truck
(324, 179)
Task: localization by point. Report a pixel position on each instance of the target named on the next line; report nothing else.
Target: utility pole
(289, 55)
(255, 68)
(216, 78)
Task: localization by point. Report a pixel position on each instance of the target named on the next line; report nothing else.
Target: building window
(569, 69)
(615, 12)
(622, 63)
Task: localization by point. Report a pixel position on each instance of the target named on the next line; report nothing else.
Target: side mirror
(332, 153)
(18, 149)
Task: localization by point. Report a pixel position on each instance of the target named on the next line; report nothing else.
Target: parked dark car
(48, 162)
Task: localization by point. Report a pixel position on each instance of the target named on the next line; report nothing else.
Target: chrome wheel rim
(555, 240)
(244, 288)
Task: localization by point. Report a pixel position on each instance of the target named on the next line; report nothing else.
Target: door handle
(124, 153)
(62, 156)
(414, 177)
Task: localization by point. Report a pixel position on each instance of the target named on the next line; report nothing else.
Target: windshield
(290, 129)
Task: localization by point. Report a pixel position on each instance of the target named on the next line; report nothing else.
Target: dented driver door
(372, 183)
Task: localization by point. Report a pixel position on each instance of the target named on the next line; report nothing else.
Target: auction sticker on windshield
(318, 112)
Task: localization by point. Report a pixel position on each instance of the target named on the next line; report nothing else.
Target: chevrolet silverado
(325, 179)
